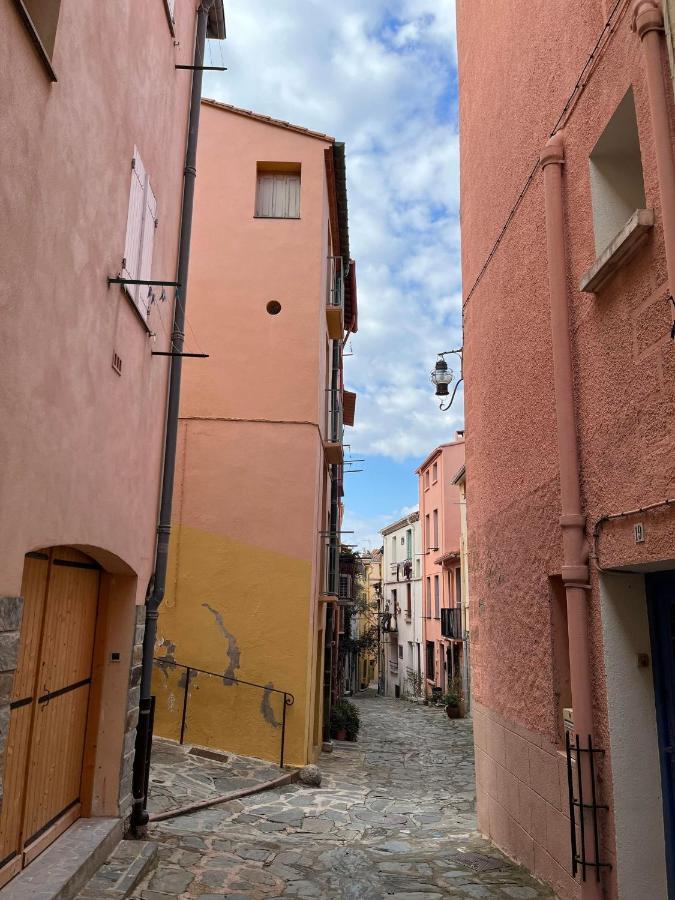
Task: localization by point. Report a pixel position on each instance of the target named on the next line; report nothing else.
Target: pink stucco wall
(515, 75)
(443, 496)
(80, 445)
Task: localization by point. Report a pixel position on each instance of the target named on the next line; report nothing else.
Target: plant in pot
(452, 700)
(344, 721)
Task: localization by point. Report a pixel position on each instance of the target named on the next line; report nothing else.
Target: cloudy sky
(381, 76)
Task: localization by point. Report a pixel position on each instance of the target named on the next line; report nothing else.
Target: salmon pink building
(253, 584)
(568, 244)
(440, 523)
(94, 127)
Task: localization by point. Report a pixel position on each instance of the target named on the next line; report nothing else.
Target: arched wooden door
(48, 710)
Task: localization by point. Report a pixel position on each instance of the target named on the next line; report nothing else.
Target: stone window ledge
(618, 252)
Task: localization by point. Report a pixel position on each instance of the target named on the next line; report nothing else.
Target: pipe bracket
(647, 16)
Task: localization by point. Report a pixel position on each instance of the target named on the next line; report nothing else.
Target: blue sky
(380, 76)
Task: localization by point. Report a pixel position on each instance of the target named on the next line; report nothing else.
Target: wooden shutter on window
(278, 196)
(147, 244)
(134, 236)
(140, 236)
(293, 196)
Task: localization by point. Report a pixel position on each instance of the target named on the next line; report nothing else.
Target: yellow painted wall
(240, 610)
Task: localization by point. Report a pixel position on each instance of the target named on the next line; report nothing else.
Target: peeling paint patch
(266, 707)
(164, 662)
(233, 652)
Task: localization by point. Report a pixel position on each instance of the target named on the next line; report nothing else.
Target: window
(428, 596)
(408, 601)
(278, 191)
(140, 238)
(345, 587)
(393, 549)
(427, 531)
(42, 18)
(617, 185)
(408, 544)
(434, 475)
(437, 597)
(426, 480)
(417, 568)
(458, 587)
(430, 661)
(394, 603)
(436, 544)
(400, 651)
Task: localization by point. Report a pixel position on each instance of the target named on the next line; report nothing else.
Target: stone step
(126, 866)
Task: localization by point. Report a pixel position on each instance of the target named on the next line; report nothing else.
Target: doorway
(49, 704)
(660, 587)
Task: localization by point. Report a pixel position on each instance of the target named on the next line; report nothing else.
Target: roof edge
(267, 120)
(410, 519)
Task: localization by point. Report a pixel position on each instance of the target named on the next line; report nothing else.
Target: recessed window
(278, 191)
(617, 185)
(42, 18)
(434, 473)
(426, 479)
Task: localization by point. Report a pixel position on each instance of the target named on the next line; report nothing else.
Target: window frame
(277, 170)
(34, 34)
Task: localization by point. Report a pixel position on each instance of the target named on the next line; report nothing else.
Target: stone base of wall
(11, 610)
(126, 772)
(521, 787)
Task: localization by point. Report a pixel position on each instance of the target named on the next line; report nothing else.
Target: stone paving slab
(392, 819)
(121, 872)
(178, 777)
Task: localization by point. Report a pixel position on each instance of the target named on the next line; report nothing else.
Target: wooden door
(48, 712)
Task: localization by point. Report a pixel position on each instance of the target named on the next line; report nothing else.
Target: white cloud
(380, 76)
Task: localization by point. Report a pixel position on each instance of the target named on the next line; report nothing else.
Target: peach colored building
(568, 244)
(93, 136)
(440, 523)
(253, 585)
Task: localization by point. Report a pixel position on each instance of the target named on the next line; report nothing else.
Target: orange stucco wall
(246, 557)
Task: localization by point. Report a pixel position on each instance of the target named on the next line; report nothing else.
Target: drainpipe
(575, 573)
(139, 816)
(647, 22)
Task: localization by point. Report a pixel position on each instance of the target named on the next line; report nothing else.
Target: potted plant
(452, 701)
(338, 724)
(344, 721)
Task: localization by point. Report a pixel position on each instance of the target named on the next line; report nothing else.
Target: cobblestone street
(394, 817)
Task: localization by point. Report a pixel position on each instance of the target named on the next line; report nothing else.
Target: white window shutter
(148, 240)
(278, 196)
(140, 236)
(265, 195)
(134, 236)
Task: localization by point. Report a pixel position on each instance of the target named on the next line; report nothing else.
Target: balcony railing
(389, 622)
(402, 571)
(451, 623)
(335, 300)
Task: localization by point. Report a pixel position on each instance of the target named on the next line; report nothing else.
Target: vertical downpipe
(575, 572)
(139, 816)
(647, 22)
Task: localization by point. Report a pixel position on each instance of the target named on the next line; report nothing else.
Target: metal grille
(479, 862)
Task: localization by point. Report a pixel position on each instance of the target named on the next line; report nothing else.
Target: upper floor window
(42, 18)
(436, 544)
(434, 473)
(426, 479)
(617, 185)
(278, 191)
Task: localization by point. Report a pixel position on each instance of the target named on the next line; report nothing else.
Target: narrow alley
(394, 817)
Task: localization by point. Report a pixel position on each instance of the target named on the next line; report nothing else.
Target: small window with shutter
(140, 237)
(278, 191)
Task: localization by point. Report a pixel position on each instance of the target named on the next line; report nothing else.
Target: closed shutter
(140, 236)
(278, 196)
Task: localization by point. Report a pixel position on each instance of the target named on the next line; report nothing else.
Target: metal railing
(336, 282)
(288, 698)
(451, 623)
(334, 417)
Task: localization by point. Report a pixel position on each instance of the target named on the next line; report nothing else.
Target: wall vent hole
(117, 363)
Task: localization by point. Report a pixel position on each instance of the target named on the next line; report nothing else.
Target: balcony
(333, 442)
(451, 623)
(402, 571)
(389, 623)
(335, 301)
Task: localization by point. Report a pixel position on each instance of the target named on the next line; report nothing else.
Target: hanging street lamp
(442, 376)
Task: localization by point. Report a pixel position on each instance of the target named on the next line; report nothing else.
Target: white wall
(641, 864)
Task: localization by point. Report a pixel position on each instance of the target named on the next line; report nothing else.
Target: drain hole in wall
(273, 307)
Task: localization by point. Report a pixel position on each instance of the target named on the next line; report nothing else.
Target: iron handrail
(289, 699)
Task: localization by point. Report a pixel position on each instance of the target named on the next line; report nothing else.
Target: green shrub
(344, 715)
